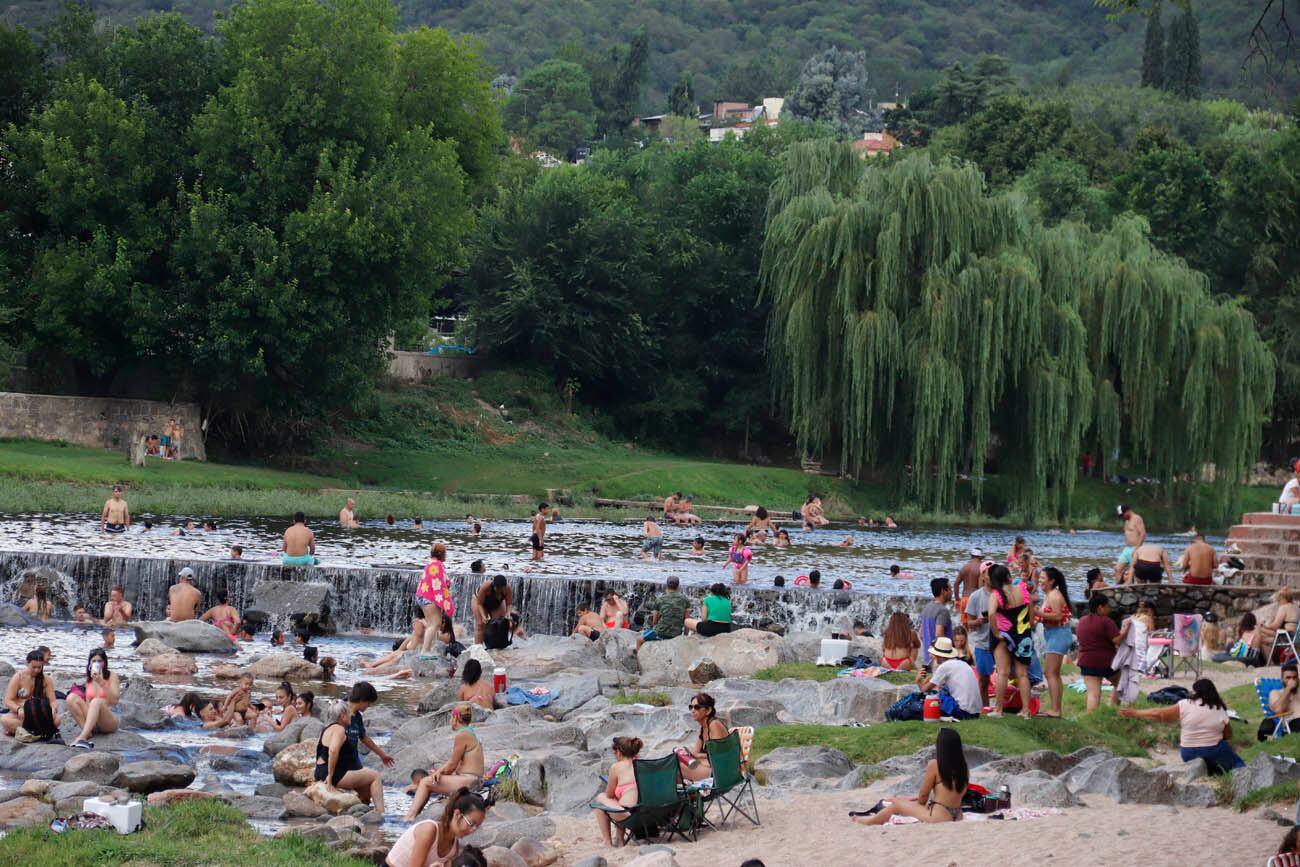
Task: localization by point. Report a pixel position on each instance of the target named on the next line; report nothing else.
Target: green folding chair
(731, 781)
(661, 801)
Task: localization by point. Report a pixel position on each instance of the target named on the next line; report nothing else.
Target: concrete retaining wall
(99, 422)
(421, 366)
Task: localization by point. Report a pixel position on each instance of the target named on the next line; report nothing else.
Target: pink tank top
(402, 851)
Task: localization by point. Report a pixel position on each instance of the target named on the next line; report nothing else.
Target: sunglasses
(695, 707)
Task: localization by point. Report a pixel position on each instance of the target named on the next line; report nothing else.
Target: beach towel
(1080, 686)
(871, 671)
(1128, 662)
(516, 695)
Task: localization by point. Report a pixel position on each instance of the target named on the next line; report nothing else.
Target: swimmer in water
(895, 572)
(116, 517)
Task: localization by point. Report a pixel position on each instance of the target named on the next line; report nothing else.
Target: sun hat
(942, 647)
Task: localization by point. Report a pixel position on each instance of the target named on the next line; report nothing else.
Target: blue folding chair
(1264, 686)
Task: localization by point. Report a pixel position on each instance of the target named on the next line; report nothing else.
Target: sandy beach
(813, 831)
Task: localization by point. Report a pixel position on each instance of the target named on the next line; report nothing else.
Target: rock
(807, 646)
(813, 767)
(1185, 772)
(255, 807)
(592, 861)
(12, 615)
(190, 636)
(309, 832)
(370, 854)
(1263, 771)
(1122, 781)
(152, 647)
(38, 789)
(498, 856)
(284, 666)
(343, 824)
(914, 764)
(359, 810)
(438, 696)
(289, 600)
(65, 791)
(153, 776)
(301, 730)
(225, 670)
(300, 806)
(295, 765)
(656, 847)
(533, 853)
(21, 812)
(1050, 763)
(560, 781)
(332, 800)
(739, 654)
(233, 733)
(242, 762)
(93, 766)
(176, 796)
(272, 790)
(44, 761)
(1037, 789)
(149, 717)
(704, 670)
(6, 670)
(654, 859)
(508, 833)
(170, 663)
(618, 647)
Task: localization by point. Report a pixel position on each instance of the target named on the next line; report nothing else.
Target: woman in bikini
(942, 787)
(473, 688)
(695, 763)
(91, 704)
(900, 644)
(410, 642)
(278, 721)
(40, 605)
(463, 770)
(436, 843)
(620, 792)
(434, 596)
(1055, 614)
(224, 616)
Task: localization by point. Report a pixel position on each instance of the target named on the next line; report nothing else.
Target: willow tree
(918, 321)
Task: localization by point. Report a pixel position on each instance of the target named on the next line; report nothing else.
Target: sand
(813, 831)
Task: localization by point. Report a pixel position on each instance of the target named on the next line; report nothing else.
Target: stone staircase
(1270, 548)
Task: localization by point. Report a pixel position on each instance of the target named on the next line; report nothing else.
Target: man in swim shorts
(299, 544)
(1135, 533)
(653, 546)
(183, 598)
(589, 624)
(116, 516)
(538, 539)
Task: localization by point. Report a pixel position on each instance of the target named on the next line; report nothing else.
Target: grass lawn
(194, 833)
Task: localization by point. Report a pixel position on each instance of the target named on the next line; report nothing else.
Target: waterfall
(384, 599)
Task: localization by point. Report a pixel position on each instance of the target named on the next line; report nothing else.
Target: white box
(833, 651)
(125, 817)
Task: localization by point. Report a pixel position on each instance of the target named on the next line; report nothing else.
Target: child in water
(738, 557)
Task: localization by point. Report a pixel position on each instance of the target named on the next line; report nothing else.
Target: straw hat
(943, 648)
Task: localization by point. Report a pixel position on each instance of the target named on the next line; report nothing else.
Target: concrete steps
(1270, 548)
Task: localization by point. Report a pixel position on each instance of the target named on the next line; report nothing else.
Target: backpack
(909, 707)
(497, 634)
(1169, 695)
(38, 720)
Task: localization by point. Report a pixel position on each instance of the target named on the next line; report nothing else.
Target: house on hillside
(738, 118)
(873, 144)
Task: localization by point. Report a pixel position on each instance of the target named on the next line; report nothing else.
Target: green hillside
(749, 48)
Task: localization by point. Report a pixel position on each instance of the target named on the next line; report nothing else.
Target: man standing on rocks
(667, 613)
(977, 630)
(116, 517)
(936, 620)
(1135, 533)
(183, 598)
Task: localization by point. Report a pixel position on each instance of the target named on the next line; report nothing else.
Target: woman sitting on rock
(620, 791)
(237, 708)
(473, 688)
(715, 613)
(695, 763)
(437, 843)
(463, 771)
(942, 787)
(26, 684)
(271, 721)
(900, 644)
(1205, 732)
(224, 616)
(338, 765)
(91, 704)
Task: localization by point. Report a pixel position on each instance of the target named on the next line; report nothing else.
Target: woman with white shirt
(1204, 729)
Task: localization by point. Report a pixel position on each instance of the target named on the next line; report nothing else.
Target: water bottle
(1004, 797)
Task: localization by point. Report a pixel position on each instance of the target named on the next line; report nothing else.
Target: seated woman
(39, 605)
(435, 843)
(1285, 618)
(338, 765)
(695, 763)
(91, 704)
(236, 709)
(193, 706)
(272, 720)
(473, 688)
(942, 787)
(715, 613)
(400, 647)
(1204, 730)
(464, 770)
(620, 791)
(900, 644)
(26, 683)
(1246, 628)
(224, 616)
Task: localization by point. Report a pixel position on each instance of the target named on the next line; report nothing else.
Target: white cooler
(125, 817)
(833, 651)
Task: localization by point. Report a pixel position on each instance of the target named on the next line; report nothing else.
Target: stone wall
(422, 366)
(1228, 603)
(99, 422)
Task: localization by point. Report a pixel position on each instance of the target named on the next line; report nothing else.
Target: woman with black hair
(942, 787)
(91, 704)
(1011, 636)
(436, 842)
(715, 613)
(26, 684)
(704, 711)
(1056, 613)
(1204, 730)
(473, 688)
(194, 706)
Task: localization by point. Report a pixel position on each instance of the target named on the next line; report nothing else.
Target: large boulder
(541, 656)
(618, 646)
(284, 666)
(499, 856)
(301, 730)
(333, 801)
(807, 646)
(299, 806)
(170, 663)
(13, 616)
(189, 636)
(507, 834)
(288, 600)
(6, 670)
(560, 781)
(178, 796)
(94, 766)
(1037, 789)
(1124, 782)
(659, 728)
(1263, 771)
(134, 715)
(534, 853)
(439, 695)
(43, 761)
(295, 765)
(656, 858)
(737, 654)
(704, 670)
(152, 647)
(153, 776)
(255, 807)
(21, 812)
(803, 768)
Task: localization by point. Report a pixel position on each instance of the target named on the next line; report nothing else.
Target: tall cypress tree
(1183, 57)
(1153, 50)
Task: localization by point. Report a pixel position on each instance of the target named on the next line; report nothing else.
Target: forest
(246, 217)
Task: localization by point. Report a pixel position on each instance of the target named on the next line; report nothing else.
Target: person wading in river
(116, 517)
(299, 546)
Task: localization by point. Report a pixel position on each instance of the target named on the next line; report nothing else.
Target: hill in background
(747, 49)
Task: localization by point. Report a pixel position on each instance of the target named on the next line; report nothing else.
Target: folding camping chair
(731, 781)
(1187, 644)
(1264, 686)
(662, 803)
(1285, 640)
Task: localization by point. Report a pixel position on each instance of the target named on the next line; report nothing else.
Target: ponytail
(463, 801)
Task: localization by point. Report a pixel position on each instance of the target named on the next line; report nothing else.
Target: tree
(832, 89)
(1004, 138)
(1170, 185)
(1153, 50)
(1183, 56)
(681, 101)
(22, 74)
(551, 106)
(616, 80)
(960, 93)
(917, 321)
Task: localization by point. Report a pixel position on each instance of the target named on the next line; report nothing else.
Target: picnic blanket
(1015, 814)
(518, 695)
